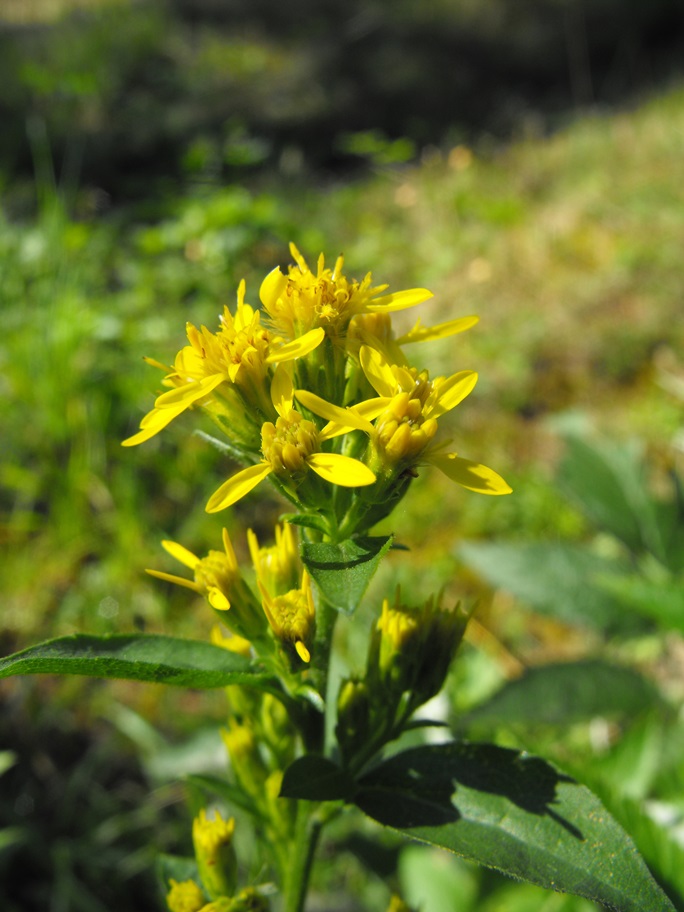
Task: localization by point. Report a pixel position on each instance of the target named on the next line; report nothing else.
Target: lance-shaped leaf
(513, 812)
(138, 657)
(343, 571)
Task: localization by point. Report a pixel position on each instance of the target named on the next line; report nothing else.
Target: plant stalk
(307, 830)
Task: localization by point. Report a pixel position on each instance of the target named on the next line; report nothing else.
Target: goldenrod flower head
(412, 647)
(303, 300)
(354, 723)
(239, 740)
(217, 577)
(209, 834)
(399, 628)
(277, 728)
(290, 447)
(215, 854)
(278, 567)
(214, 366)
(245, 757)
(416, 416)
(292, 617)
(185, 896)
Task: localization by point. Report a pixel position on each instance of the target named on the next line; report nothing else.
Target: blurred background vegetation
(523, 160)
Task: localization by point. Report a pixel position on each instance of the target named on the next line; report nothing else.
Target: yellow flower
(217, 577)
(292, 617)
(301, 301)
(215, 854)
(185, 896)
(375, 330)
(407, 412)
(215, 366)
(278, 568)
(412, 648)
(290, 447)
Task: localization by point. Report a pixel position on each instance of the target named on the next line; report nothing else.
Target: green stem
(307, 830)
(326, 618)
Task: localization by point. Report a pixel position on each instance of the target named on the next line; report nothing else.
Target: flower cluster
(315, 393)
(292, 386)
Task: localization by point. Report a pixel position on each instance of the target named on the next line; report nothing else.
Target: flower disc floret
(302, 300)
(289, 443)
(292, 617)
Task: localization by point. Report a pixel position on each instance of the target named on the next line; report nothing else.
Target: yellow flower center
(185, 896)
(288, 443)
(402, 431)
(291, 617)
(217, 577)
(212, 834)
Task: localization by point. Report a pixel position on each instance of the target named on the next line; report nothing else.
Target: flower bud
(412, 648)
(185, 896)
(215, 853)
(353, 715)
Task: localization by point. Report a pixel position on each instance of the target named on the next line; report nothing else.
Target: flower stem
(307, 831)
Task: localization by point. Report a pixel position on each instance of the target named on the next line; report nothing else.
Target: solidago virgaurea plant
(316, 394)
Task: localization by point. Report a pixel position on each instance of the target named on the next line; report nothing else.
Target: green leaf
(343, 571)
(315, 778)
(660, 601)
(658, 843)
(516, 813)
(231, 794)
(607, 481)
(137, 657)
(556, 579)
(308, 520)
(540, 696)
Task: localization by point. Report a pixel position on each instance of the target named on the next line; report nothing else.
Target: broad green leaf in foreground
(513, 812)
(540, 696)
(343, 571)
(155, 658)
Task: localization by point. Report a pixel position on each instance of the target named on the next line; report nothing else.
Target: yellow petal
(370, 409)
(298, 258)
(449, 393)
(282, 390)
(272, 287)
(217, 599)
(378, 372)
(400, 300)
(178, 580)
(188, 393)
(342, 417)
(236, 487)
(469, 474)
(302, 651)
(298, 347)
(440, 331)
(230, 552)
(181, 554)
(152, 423)
(341, 470)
